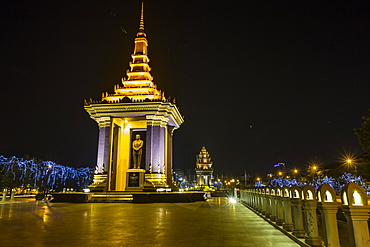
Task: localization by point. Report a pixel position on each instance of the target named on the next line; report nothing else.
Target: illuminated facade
(203, 169)
(136, 107)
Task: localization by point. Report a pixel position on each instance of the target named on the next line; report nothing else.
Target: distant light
(279, 164)
(87, 190)
(164, 190)
(232, 200)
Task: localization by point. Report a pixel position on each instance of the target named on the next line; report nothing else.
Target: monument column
(168, 163)
(155, 139)
(113, 160)
(103, 145)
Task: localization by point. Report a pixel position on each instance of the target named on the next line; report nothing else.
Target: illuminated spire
(141, 32)
(141, 28)
(138, 85)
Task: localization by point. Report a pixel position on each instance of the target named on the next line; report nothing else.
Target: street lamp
(313, 170)
(295, 172)
(349, 162)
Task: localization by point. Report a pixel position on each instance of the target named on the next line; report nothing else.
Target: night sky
(258, 82)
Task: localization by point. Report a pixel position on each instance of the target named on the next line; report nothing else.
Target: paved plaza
(215, 222)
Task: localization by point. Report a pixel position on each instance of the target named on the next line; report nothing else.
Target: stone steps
(111, 198)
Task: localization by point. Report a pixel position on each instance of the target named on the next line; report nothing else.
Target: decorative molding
(103, 121)
(163, 113)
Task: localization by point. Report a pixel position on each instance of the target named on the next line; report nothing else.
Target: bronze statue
(137, 151)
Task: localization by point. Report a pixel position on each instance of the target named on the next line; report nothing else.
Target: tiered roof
(204, 160)
(139, 85)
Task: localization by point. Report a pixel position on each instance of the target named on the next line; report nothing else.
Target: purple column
(103, 148)
(155, 140)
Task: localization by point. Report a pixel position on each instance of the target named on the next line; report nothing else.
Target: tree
(363, 134)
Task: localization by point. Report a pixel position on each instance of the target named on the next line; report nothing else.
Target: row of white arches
(351, 194)
(294, 208)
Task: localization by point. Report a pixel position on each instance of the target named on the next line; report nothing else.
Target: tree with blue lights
(43, 175)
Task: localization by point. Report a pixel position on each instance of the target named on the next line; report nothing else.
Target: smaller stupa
(203, 169)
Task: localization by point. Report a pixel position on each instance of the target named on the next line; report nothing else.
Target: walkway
(215, 222)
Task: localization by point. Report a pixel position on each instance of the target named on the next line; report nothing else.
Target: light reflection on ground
(215, 222)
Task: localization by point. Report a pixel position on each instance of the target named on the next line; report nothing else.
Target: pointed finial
(141, 28)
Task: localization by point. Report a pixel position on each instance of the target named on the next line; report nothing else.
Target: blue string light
(46, 174)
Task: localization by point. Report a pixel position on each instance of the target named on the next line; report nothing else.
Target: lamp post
(258, 179)
(314, 169)
(295, 172)
(245, 178)
(349, 162)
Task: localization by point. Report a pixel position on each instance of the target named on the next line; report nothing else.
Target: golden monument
(135, 109)
(203, 168)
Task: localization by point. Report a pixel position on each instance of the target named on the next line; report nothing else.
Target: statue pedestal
(99, 183)
(135, 179)
(156, 179)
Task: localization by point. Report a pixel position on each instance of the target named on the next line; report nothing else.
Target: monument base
(135, 179)
(99, 183)
(71, 197)
(155, 180)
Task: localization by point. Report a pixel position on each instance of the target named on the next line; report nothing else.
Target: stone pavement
(215, 222)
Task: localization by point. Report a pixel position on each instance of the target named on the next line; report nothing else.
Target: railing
(294, 208)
